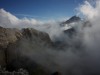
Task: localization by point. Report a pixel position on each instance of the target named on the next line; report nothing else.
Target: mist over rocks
(36, 47)
(52, 48)
(36, 52)
(16, 44)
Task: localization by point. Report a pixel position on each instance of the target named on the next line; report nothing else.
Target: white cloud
(90, 9)
(92, 34)
(7, 19)
(10, 21)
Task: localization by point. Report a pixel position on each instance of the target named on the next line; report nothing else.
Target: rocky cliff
(14, 45)
(7, 36)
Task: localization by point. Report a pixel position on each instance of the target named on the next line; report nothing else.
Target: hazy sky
(41, 9)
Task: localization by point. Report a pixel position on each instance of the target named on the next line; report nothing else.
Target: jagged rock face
(2, 58)
(31, 42)
(8, 36)
(37, 36)
(71, 30)
(14, 42)
(73, 19)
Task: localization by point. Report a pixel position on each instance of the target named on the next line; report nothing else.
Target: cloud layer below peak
(8, 20)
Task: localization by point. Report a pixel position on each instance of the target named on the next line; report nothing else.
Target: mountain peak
(73, 19)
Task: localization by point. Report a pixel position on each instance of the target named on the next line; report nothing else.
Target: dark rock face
(34, 34)
(71, 31)
(2, 57)
(31, 41)
(8, 36)
(14, 41)
(71, 20)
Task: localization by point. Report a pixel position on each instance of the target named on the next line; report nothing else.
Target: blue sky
(41, 9)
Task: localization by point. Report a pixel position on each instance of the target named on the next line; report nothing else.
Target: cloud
(91, 37)
(8, 20)
(90, 10)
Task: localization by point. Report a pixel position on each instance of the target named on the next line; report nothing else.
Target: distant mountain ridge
(71, 20)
